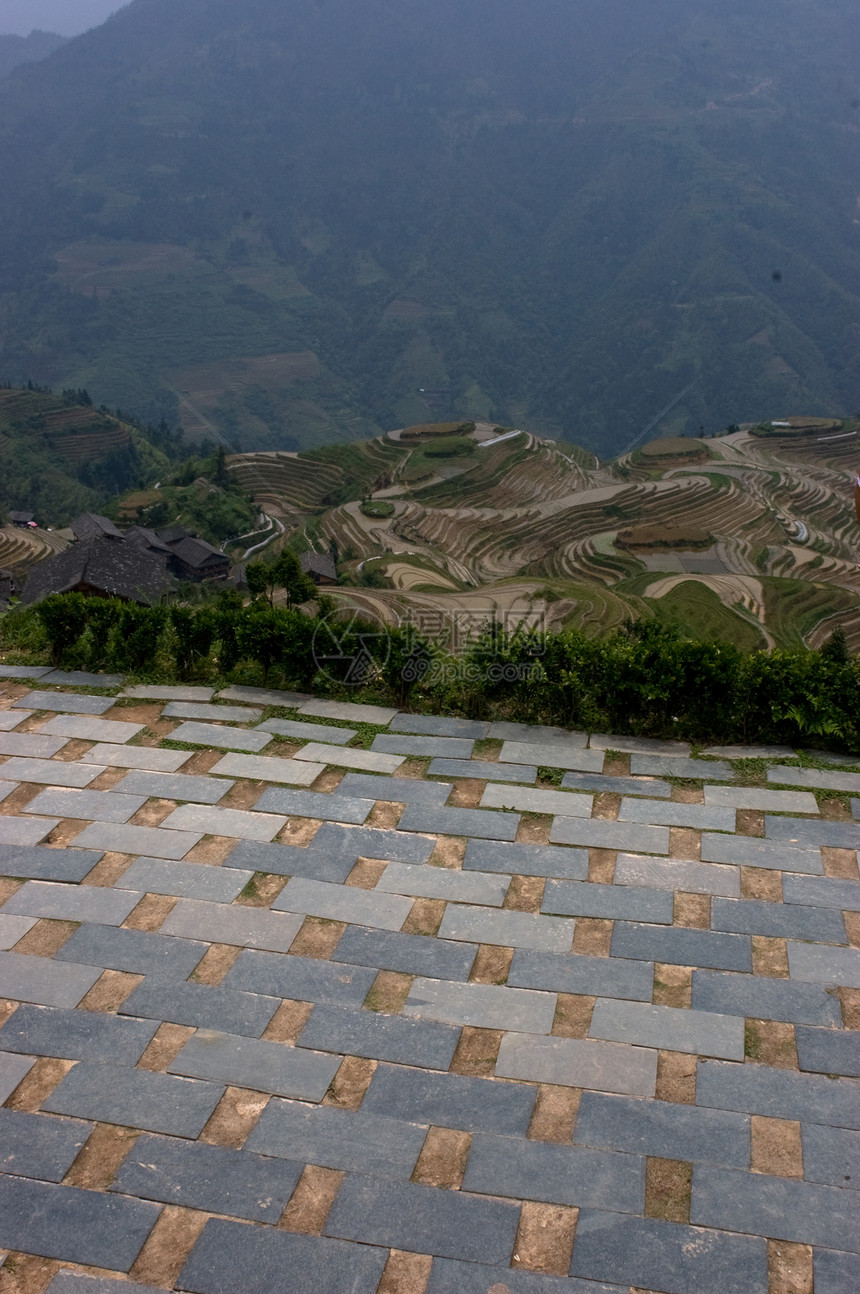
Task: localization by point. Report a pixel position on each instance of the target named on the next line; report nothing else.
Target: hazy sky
(68, 17)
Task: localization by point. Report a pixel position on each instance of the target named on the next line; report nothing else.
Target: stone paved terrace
(283, 1012)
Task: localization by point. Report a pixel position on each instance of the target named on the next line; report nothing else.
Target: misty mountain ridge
(15, 50)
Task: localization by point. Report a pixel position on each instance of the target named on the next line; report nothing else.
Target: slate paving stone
(836, 1272)
(482, 768)
(750, 752)
(225, 923)
(353, 1141)
(705, 770)
(588, 899)
(60, 703)
(63, 1222)
(137, 951)
(221, 738)
(638, 745)
(368, 761)
(423, 1219)
(402, 744)
(434, 725)
(398, 790)
(194, 1175)
(698, 816)
(31, 745)
(573, 1175)
(50, 772)
(343, 903)
(314, 804)
(380, 1037)
(450, 1277)
(81, 727)
(71, 1282)
(754, 1203)
(822, 892)
(663, 1129)
(231, 1256)
(682, 874)
(300, 979)
(25, 831)
(823, 1051)
(682, 947)
(537, 800)
(764, 999)
(290, 860)
(157, 692)
(811, 834)
(816, 778)
(76, 1035)
(202, 1006)
(479, 823)
(184, 880)
(135, 1098)
(571, 973)
(504, 730)
(778, 1093)
(101, 806)
(778, 920)
(80, 678)
(451, 1100)
(24, 671)
(146, 757)
(748, 851)
(484, 1006)
(211, 713)
(33, 1145)
(410, 954)
(36, 979)
(373, 842)
(6, 789)
(172, 786)
(121, 838)
(267, 768)
(668, 1028)
(824, 965)
(667, 1256)
(444, 883)
(508, 928)
(13, 1069)
(756, 797)
(253, 1063)
(349, 712)
(650, 786)
(595, 833)
(298, 731)
(264, 696)
(578, 1062)
(831, 1156)
(213, 820)
(550, 755)
(10, 719)
(526, 860)
(13, 928)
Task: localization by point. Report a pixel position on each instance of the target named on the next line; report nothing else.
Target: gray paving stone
(650, 786)
(24, 671)
(831, 1156)
(444, 883)
(550, 755)
(778, 1093)
(13, 928)
(594, 976)
(380, 1037)
(668, 1028)
(299, 731)
(264, 696)
(682, 947)
(824, 965)
(290, 860)
(451, 1100)
(80, 678)
(13, 1069)
(822, 892)
(64, 703)
(435, 725)
(855, 808)
(211, 713)
(354, 1141)
(397, 790)
(10, 719)
(32, 745)
(411, 954)
(6, 789)
(172, 786)
(479, 823)
(203, 1006)
(777, 1207)
(748, 851)
(750, 752)
(423, 1219)
(25, 831)
(596, 833)
(81, 727)
(573, 1175)
(578, 1062)
(503, 730)
(537, 800)
(664, 1129)
(667, 1256)
(806, 832)
(50, 983)
(526, 860)
(137, 951)
(78, 1226)
(756, 797)
(76, 1035)
(221, 738)
(402, 744)
(231, 1256)
(101, 806)
(33, 1145)
(450, 1277)
(148, 757)
(50, 772)
(211, 819)
(226, 923)
(706, 770)
(373, 842)
(508, 928)
(157, 692)
(638, 745)
(366, 761)
(698, 816)
(683, 874)
(764, 999)
(835, 1272)
(349, 712)
(824, 1051)
(184, 880)
(484, 769)
(343, 903)
(72, 903)
(484, 1006)
(267, 768)
(135, 1098)
(300, 979)
(314, 804)
(121, 838)
(194, 1175)
(816, 778)
(779, 920)
(587, 899)
(261, 1066)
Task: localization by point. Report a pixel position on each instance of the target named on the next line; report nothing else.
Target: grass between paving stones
(550, 776)
(484, 747)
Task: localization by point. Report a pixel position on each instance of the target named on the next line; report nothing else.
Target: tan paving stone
(770, 1042)
(299, 831)
(287, 1022)
(27, 1274)
(545, 1238)
(388, 992)
(749, 822)
(601, 865)
(775, 1147)
(262, 890)
(366, 873)
(9, 885)
(852, 927)
(151, 913)
(770, 957)
(350, 1083)
(759, 883)
(442, 1161)
(673, 985)
(385, 814)
(214, 964)
(109, 869)
(312, 1199)
(317, 937)
(840, 863)
(491, 965)
(533, 830)
(668, 1188)
(168, 1245)
(46, 937)
(692, 910)
(685, 842)
(525, 894)
(425, 917)
(234, 1118)
(572, 1015)
(849, 999)
(100, 1157)
(405, 1273)
(166, 1045)
(449, 852)
(592, 936)
(606, 806)
(676, 1078)
(37, 1086)
(110, 991)
(789, 1268)
(152, 814)
(477, 1052)
(211, 849)
(554, 1115)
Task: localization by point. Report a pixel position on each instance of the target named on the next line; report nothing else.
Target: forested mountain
(15, 50)
(557, 213)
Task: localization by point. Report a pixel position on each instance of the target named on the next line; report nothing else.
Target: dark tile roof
(89, 524)
(196, 553)
(22, 518)
(318, 564)
(116, 569)
(173, 534)
(146, 539)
